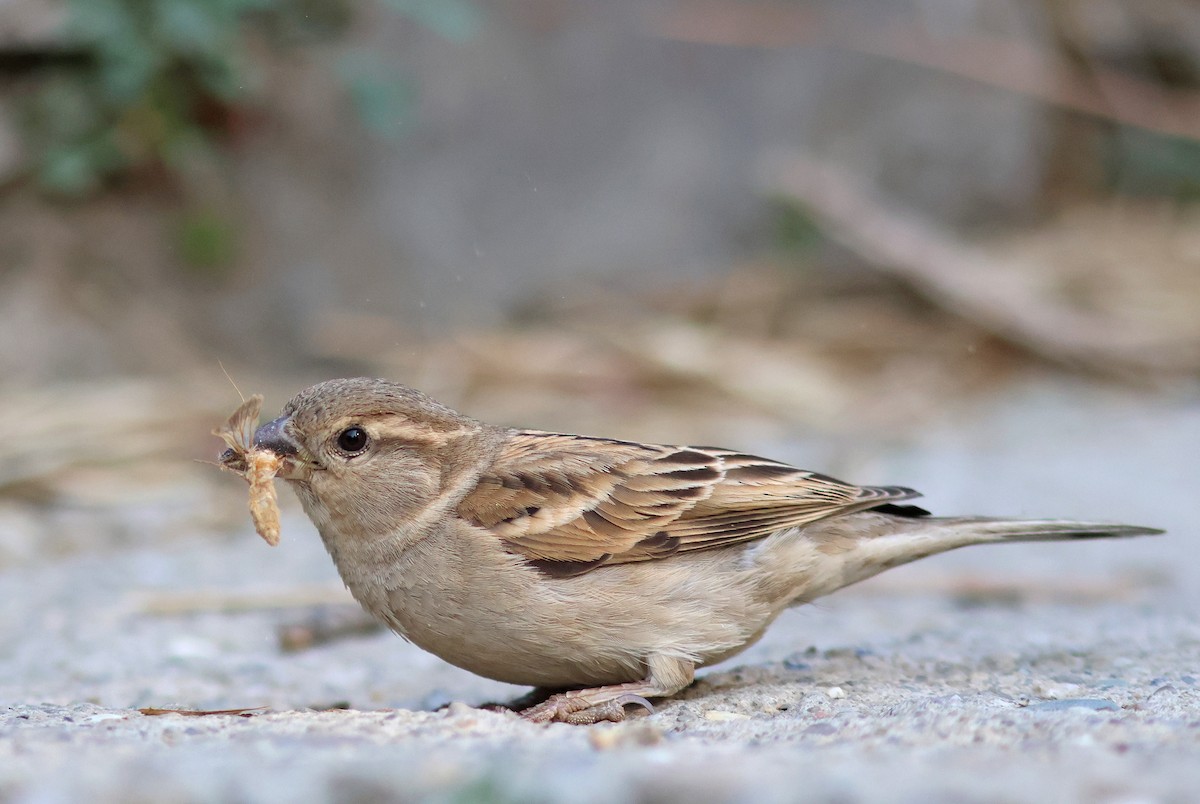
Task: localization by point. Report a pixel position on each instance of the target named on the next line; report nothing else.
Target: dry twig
(1008, 298)
(247, 712)
(1006, 64)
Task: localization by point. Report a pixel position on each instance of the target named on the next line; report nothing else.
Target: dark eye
(352, 439)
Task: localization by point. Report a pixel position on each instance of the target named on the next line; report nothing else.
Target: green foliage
(158, 88)
(155, 79)
(793, 231)
(153, 85)
(207, 242)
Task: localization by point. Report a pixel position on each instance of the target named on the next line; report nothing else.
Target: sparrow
(601, 572)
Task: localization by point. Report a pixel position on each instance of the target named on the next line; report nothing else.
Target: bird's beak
(273, 436)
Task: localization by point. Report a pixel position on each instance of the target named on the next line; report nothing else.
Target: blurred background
(949, 244)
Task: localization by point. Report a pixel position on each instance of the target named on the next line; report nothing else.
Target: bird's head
(366, 453)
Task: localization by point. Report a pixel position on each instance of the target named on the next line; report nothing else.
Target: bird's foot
(579, 708)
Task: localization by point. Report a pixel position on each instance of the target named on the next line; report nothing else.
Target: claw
(637, 700)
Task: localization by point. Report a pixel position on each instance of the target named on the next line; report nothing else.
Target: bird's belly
(515, 653)
(514, 658)
(496, 616)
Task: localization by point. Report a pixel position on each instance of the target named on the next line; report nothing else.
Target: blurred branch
(1005, 64)
(1011, 299)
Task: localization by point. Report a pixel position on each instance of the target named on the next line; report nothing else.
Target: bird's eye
(352, 439)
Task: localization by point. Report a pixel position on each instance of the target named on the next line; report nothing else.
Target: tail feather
(982, 530)
(875, 542)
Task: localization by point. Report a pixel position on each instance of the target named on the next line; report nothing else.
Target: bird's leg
(668, 675)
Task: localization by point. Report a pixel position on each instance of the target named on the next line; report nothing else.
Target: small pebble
(835, 692)
(633, 734)
(103, 716)
(189, 647)
(722, 716)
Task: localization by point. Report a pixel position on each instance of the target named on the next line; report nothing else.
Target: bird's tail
(982, 530)
(883, 541)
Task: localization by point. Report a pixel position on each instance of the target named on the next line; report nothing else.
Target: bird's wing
(570, 503)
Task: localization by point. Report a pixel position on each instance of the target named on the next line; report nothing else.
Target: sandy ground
(1013, 673)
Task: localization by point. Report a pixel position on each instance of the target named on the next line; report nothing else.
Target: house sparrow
(603, 570)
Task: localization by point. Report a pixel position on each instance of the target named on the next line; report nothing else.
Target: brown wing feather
(570, 503)
(757, 497)
(567, 498)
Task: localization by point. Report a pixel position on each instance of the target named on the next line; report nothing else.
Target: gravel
(1032, 672)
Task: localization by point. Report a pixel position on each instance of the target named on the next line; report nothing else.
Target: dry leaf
(257, 466)
(248, 712)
